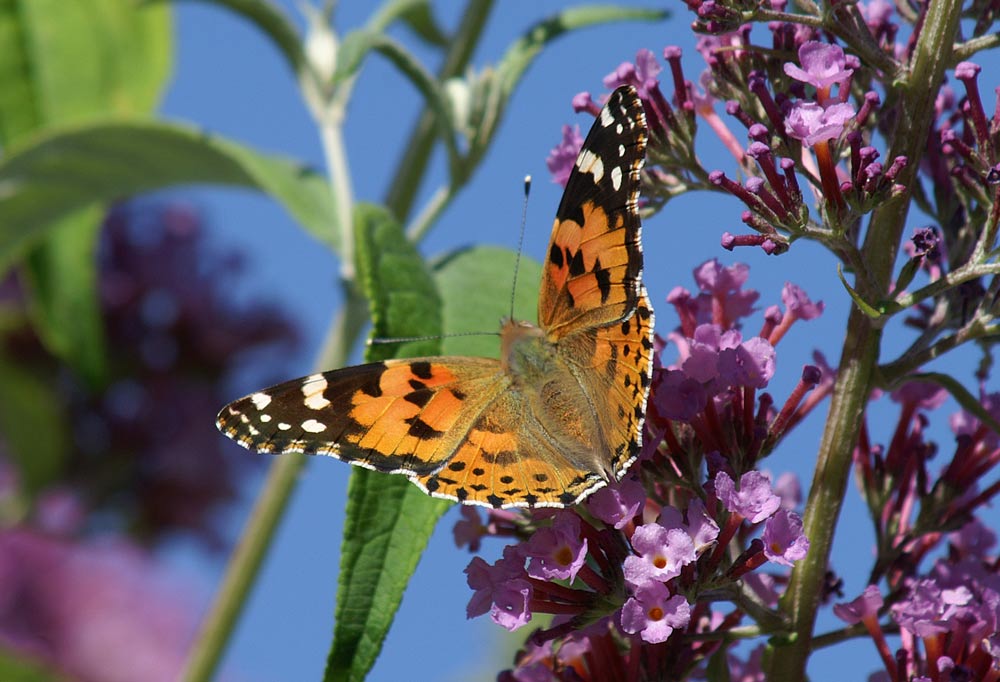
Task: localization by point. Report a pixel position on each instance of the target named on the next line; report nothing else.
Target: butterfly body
(557, 416)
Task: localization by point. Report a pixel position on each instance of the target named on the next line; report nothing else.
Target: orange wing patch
(505, 462)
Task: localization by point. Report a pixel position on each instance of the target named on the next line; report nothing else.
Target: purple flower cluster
(948, 617)
(80, 593)
(788, 108)
(643, 560)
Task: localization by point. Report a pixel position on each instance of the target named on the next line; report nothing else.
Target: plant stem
(245, 562)
(861, 349)
(410, 170)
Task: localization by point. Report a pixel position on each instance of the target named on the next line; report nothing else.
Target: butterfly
(558, 416)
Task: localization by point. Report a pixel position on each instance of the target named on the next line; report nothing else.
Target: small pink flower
(823, 66)
(557, 551)
(618, 503)
(784, 542)
(811, 123)
(865, 606)
(753, 501)
(662, 553)
(653, 613)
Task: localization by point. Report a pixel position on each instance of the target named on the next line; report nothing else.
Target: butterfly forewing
(593, 269)
(397, 416)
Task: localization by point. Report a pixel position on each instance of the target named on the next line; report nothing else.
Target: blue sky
(229, 80)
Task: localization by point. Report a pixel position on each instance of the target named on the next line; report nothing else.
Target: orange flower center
(564, 556)
(655, 613)
(660, 562)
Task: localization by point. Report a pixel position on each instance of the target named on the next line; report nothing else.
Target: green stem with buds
(860, 355)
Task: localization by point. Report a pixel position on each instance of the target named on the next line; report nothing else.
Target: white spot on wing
(313, 426)
(282, 426)
(616, 177)
(589, 162)
(606, 117)
(265, 418)
(313, 389)
(621, 150)
(260, 400)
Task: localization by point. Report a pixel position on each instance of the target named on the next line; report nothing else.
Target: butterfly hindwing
(593, 269)
(508, 460)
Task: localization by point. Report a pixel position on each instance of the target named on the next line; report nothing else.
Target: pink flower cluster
(637, 562)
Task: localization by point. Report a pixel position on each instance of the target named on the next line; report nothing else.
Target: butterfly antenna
(407, 339)
(520, 242)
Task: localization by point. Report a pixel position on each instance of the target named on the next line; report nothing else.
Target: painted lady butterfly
(557, 417)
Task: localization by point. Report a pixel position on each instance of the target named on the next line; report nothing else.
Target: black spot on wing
(422, 430)
(556, 256)
(571, 208)
(419, 398)
(603, 278)
(576, 266)
(422, 369)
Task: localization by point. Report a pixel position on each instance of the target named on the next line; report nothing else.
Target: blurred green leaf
(66, 171)
(64, 305)
(960, 393)
(13, 669)
(32, 423)
(417, 14)
(269, 20)
(475, 285)
(61, 63)
(388, 519)
(495, 88)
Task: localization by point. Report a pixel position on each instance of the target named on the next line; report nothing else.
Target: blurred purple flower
(562, 158)
(94, 612)
(865, 606)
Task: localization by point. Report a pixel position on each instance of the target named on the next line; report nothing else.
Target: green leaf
(63, 62)
(62, 277)
(388, 519)
(268, 18)
(475, 285)
(72, 169)
(961, 395)
(32, 422)
(403, 297)
(863, 305)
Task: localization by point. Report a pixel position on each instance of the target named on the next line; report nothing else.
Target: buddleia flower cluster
(694, 522)
(658, 576)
